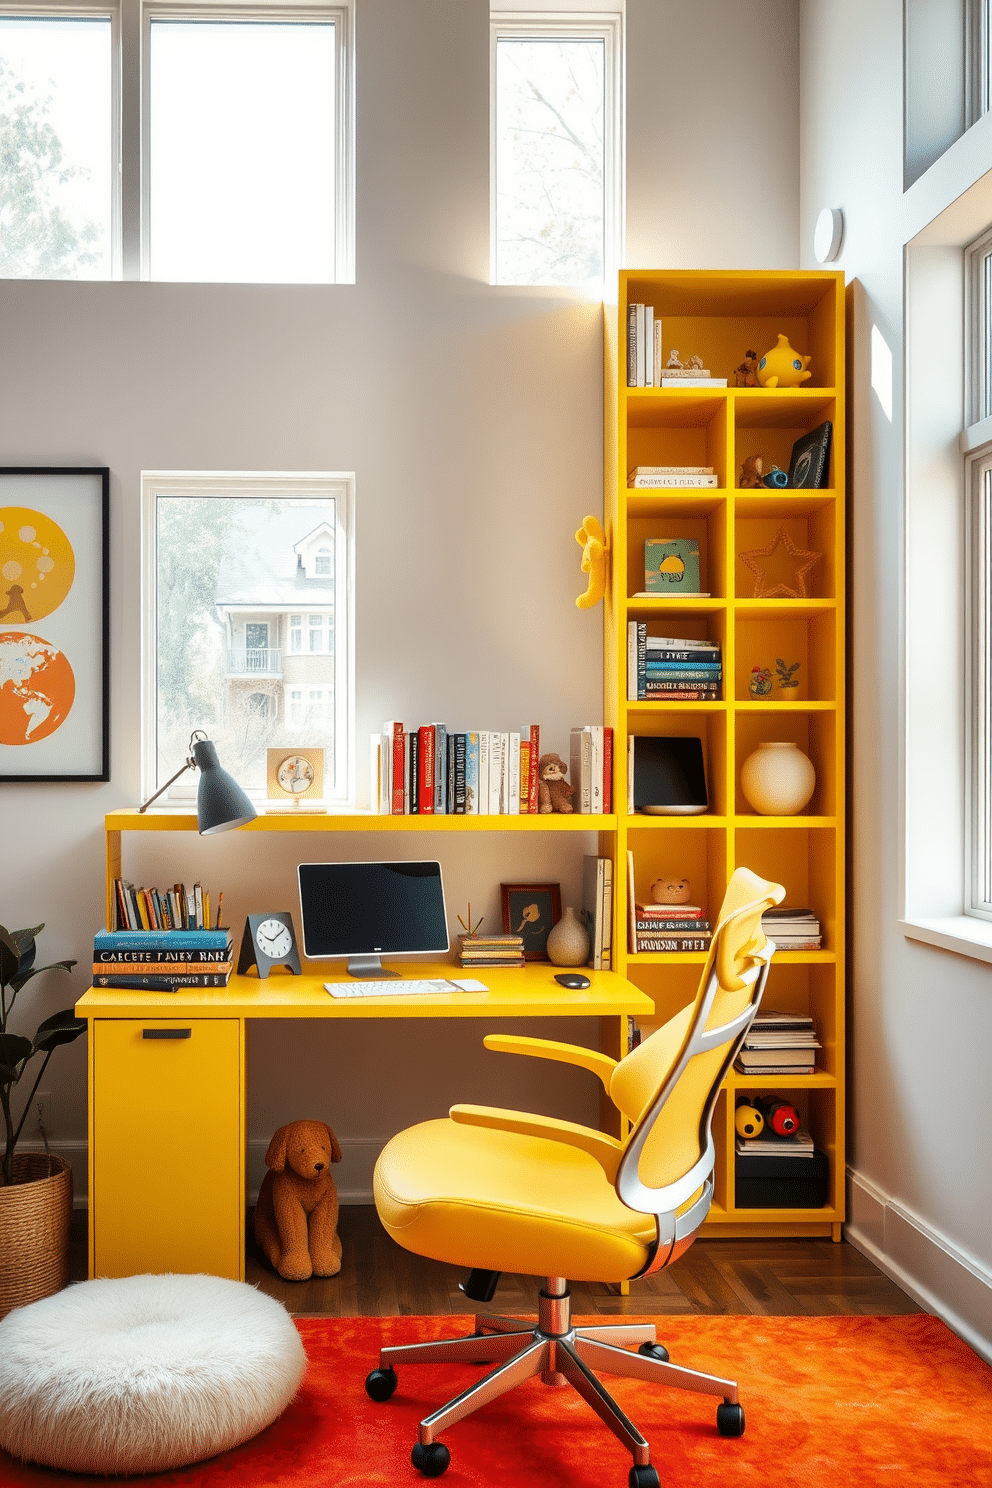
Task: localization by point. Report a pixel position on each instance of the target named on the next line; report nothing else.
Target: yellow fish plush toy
(783, 367)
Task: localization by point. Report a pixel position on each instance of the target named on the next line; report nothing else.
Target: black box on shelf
(786, 1182)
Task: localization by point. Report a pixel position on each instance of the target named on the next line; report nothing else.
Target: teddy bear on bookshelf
(671, 890)
(751, 478)
(745, 374)
(553, 791)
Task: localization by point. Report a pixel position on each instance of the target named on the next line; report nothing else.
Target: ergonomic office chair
(499, 1190)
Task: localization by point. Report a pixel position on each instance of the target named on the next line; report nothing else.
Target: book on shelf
(161, 910)
(673, 481)
(685, 374)
(777, 1061)
(668, 380)
(655, 926)
(393, 764)
(792, 929)
(116, 969)
(162, 940)
(590, 768)
(672, 664)
(597, 909)
(651, 942)
(643, 346)
(167, 982)
(640, 470)
(668, 911)
(152, 957)
(671, 565)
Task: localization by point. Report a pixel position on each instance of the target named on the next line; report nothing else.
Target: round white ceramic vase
(777, 779)
(568, 942)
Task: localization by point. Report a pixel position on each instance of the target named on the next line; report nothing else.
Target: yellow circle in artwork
(37, 565)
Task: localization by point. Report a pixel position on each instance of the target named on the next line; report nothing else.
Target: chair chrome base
(561, 1355)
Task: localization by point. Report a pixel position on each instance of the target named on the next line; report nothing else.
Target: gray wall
(472, 417)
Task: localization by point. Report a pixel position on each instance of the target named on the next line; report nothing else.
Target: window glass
(242, 121)
(550, 161)
(56, 147)
(226, 574)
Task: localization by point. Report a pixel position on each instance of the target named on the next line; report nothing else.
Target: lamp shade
(220, 802)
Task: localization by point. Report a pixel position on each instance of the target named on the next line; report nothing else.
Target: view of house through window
(56, 154)
(250, 626)
(556, 162)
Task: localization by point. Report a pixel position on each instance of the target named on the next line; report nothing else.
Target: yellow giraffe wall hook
(592, 540)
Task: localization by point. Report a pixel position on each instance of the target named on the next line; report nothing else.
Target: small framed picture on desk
(530, 910)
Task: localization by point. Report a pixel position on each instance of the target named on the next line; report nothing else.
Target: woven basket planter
(34, 1230)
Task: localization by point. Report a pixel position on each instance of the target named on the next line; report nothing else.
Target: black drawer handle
(169, 1033)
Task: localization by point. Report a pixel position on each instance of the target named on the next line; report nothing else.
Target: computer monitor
(364, 911)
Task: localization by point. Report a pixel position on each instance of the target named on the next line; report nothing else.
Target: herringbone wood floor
(776, 1277)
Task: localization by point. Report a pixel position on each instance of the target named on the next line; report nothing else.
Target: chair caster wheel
(644, 1477)
(730, 1419)
(654, 1351)
(381, 1383)
(431, 1460)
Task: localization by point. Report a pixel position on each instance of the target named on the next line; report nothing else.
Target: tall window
(218, 550)
(57, 143)
(977, 443)
(556, 136)
(242, 147)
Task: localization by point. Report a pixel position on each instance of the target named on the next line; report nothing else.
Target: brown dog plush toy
(296, 1216)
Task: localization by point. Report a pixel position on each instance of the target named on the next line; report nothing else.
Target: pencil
(220, 906)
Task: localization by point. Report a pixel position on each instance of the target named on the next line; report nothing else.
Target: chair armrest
(590, 1059)
(605, 1149)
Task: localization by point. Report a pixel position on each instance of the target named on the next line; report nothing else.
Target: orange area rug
(875, 1402)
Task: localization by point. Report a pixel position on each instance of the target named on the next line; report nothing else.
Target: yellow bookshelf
(719, 316)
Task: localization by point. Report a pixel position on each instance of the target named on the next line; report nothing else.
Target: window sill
(964, 934)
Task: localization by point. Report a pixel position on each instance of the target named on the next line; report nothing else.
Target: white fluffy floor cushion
(144, 1374)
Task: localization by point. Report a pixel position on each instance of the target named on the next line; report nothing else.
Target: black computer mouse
(572, 979)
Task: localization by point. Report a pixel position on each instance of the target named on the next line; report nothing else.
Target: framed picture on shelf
(530, 910)
(54, 623)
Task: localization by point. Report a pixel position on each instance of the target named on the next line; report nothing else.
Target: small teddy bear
(751, 473)
(746, 373)
(553, 791)
(671, 891)
(297, 1211)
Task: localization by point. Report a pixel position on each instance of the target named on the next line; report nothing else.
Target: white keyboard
(388, 988)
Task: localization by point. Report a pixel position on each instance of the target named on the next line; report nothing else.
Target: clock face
(295, 774)
(273, 939)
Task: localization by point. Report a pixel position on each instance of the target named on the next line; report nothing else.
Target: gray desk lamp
(220, 802)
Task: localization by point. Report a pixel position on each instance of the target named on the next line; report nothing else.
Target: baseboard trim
(937, 1273)
(352, 1178)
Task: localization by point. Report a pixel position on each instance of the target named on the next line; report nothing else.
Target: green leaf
(17, 952)
(14, 1049)
(60, 1028)
(19, 981)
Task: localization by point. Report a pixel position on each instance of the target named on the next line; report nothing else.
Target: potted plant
(35, 1188)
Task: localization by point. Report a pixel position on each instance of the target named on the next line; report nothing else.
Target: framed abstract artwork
(530, 911)
(54, 623)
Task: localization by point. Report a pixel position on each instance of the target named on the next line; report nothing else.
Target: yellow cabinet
(167, 1146)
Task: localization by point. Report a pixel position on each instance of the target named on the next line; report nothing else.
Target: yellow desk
(167, 1068)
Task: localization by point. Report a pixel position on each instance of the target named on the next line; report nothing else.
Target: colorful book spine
(106, 960)
(535, 752)
(472, 774)
(440, 768)
(673, 942)
(425, 778)
(608, 769)
(160, 940)
(460, 774)
(393, 739)
(524, 803)
(166, 983)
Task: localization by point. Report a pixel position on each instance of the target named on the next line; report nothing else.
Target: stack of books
(671, 668)
(432, 770)
(162, 960)
(798, 1144)
(491, 950)
(778, 1044)
(670, 927)
(660, 477)
(792, 929)
(177, 908)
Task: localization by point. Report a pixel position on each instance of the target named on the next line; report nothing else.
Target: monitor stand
(369, 968)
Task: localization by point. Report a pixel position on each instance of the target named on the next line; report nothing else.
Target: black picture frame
(531, 910)
(809, 465)
(65, 541)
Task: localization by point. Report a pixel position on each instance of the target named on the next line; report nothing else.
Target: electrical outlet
(40, 1105)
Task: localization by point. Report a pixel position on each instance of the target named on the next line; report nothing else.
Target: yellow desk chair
(497, 1190)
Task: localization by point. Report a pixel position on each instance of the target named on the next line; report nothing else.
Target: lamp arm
(189, 765)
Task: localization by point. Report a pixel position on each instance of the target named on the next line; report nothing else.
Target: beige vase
(568, 942)
(777, 779)
(34, 1230)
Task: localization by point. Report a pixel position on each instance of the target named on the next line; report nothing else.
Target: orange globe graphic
(36, 688)
(37, 565)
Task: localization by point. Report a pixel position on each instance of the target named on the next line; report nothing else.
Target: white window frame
(265, 485)
(976, 445)
(342, 14)
(70, 10)
(573, 24)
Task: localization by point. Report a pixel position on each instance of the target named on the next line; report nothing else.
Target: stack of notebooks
(778, 1044)
(792, 929)
(491, 950)
(670, 927)
(798, 1144)
(671, 668)
(162, 960)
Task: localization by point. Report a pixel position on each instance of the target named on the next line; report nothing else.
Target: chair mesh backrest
(677, 1140)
